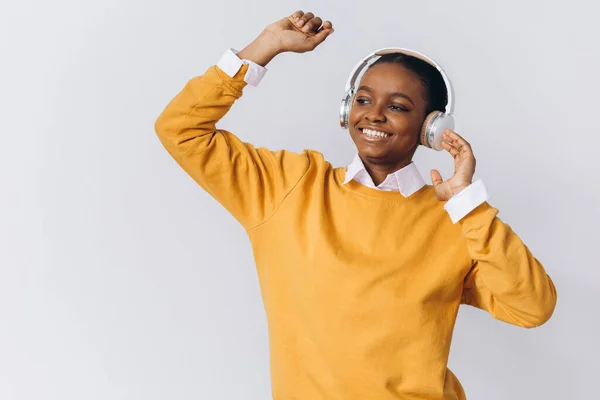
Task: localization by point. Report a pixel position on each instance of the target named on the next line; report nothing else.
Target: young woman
(362, 268)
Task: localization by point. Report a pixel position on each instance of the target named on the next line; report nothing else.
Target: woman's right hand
(297, 33)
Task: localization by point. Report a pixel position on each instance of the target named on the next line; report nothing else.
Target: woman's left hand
(464, 167)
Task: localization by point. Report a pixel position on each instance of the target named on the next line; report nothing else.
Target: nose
(375, 114)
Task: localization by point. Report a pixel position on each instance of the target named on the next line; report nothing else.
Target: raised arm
(250, 182)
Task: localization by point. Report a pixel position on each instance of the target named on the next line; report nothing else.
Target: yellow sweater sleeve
(249, 182)
(505, 279)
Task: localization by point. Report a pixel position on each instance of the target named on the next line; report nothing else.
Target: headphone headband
(374, 56)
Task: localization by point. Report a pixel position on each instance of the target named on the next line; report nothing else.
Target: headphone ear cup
(424, 139)
(433, 128)
(345, 110)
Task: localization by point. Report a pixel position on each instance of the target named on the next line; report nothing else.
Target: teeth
(370, 132)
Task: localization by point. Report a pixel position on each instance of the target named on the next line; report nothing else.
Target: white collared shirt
(407, 180)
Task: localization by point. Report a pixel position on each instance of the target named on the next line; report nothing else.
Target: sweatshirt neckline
(354, 186)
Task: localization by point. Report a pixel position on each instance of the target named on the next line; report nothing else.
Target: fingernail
(301, 22)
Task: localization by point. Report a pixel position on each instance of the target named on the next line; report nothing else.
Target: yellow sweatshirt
(361, 287)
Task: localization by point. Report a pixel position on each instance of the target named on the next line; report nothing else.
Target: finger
(321, 36)
(464, 148)
(436, 177)
(312, 25)
(297, 14)
(296, 20)
(455, 139)
(327, 25)
(305, 18)
(450, 148)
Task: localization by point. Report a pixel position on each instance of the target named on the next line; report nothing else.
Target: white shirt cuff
(230, 63)
(466, 200)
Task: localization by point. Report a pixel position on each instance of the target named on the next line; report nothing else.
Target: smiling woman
(362, 268)
(396, 93)
(384, 103)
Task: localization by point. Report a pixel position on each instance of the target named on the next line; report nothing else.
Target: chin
(373, 154)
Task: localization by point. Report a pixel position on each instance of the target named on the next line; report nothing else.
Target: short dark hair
(431, 78)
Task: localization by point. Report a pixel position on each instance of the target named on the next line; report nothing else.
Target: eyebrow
(393, 94)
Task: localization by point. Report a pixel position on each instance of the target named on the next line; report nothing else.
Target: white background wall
(121, 279)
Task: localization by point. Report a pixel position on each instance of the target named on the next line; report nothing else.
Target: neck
(379, 172)
(379, 169)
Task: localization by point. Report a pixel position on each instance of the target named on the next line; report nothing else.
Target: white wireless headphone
(435, 123)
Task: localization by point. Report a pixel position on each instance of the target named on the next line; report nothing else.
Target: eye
(361, 100)
(399, 108)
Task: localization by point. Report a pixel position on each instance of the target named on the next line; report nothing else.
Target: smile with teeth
(374, 134)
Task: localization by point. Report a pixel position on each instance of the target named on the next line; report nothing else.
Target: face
(386, 115)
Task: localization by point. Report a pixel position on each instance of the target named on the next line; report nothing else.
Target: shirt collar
(406, 180)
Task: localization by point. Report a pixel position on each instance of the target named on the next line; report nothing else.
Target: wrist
(457, 189)
(262, 50)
